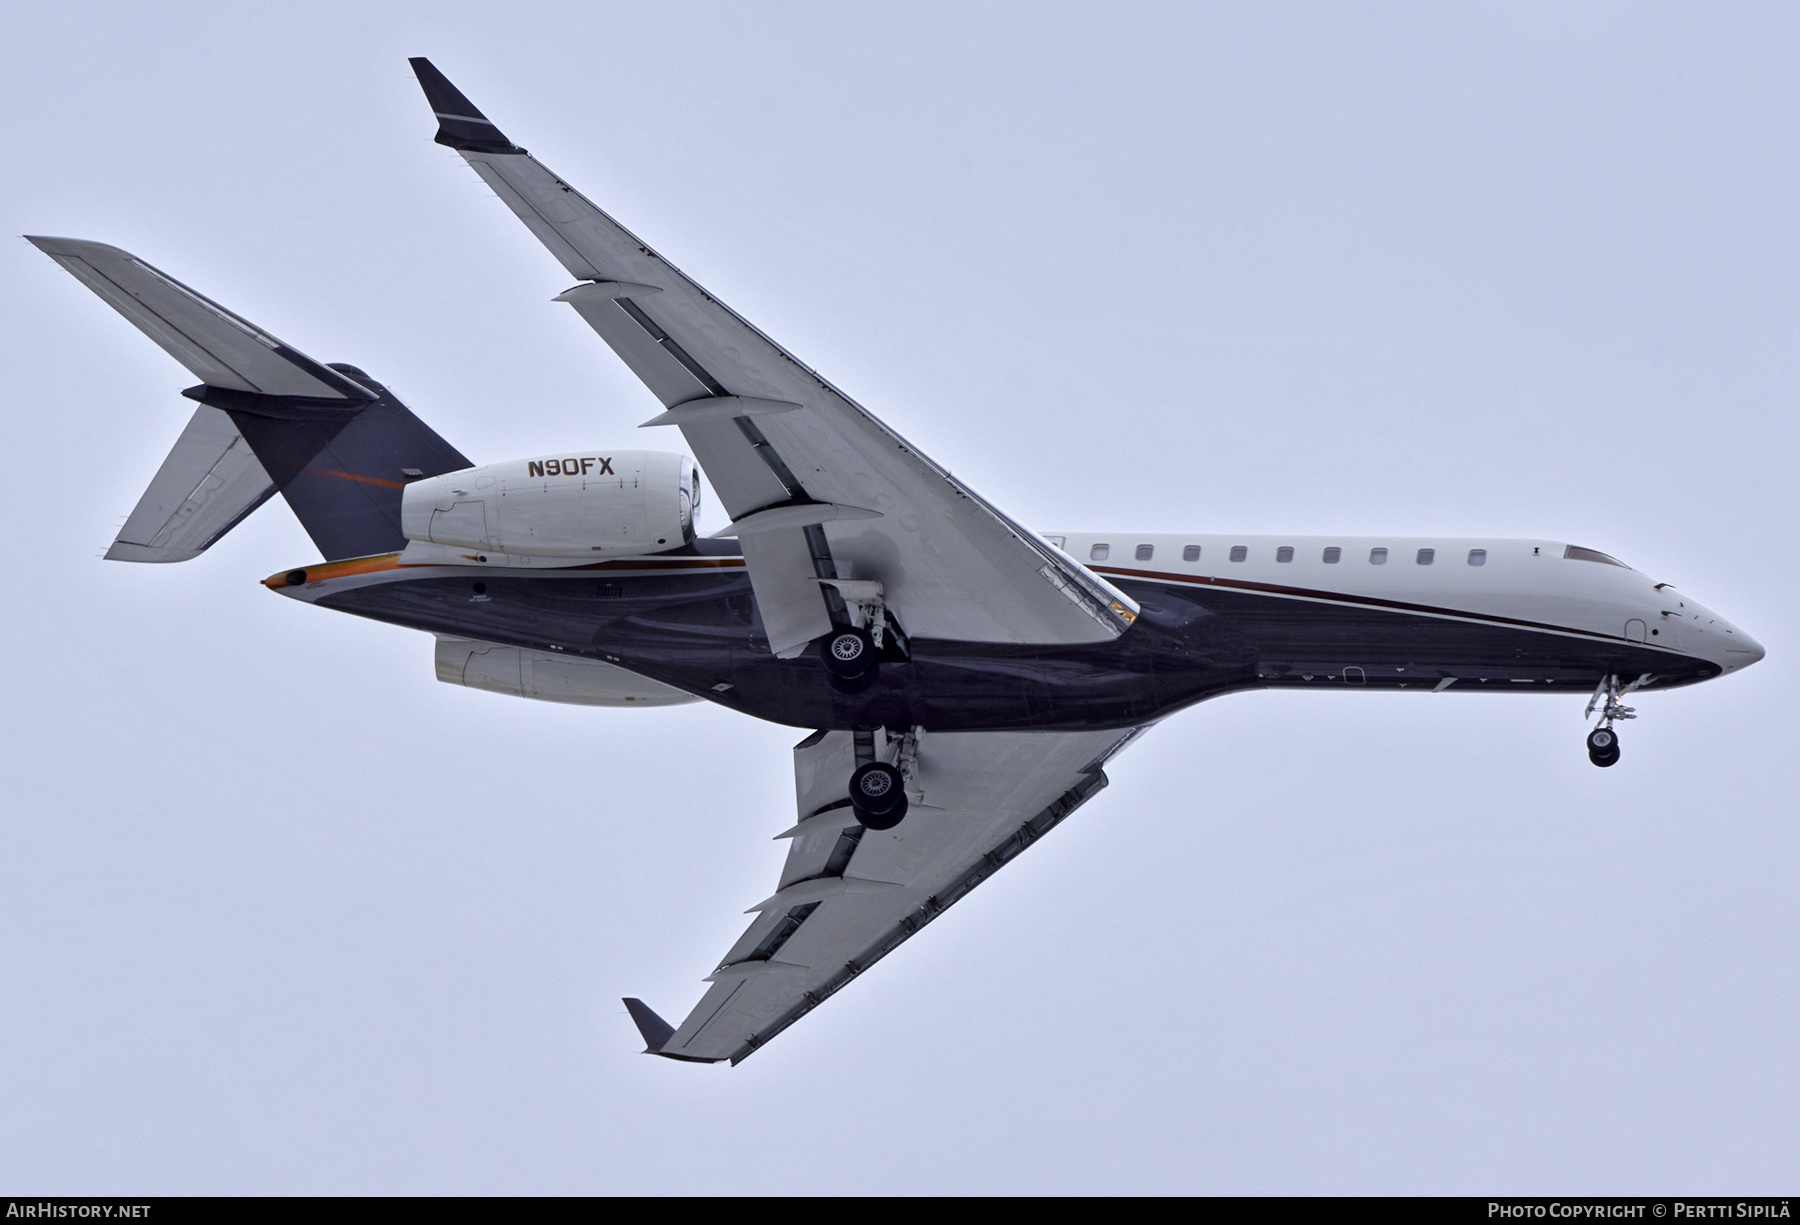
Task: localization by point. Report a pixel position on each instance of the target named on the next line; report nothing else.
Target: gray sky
(279, 912)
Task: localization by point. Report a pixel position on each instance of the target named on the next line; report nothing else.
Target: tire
(848, 654)
(1603, 760)
(886, 821)
(1603, 742)
(878, 794)
(860, 685)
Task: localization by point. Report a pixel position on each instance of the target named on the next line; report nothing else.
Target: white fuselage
(1541, 584)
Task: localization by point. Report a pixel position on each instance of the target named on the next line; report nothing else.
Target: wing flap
(822, 766)
(659, 370)
(785, 582)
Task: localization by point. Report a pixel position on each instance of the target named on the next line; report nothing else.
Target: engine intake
(574, 505)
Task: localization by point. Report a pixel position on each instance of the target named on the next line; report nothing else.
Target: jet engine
(548, 677)
(580, 504)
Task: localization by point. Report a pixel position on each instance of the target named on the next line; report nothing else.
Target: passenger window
(1145, 552)
(1332, 554)
(1478, 557)
(1239, 552)
(1191, 553)
(1426, 556)
(1285, 553)
(1058, 541)
(1099, 552)
(1378, 557)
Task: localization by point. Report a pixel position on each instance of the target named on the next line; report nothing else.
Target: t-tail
(330, 439)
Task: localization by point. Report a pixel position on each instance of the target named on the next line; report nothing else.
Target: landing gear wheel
(1603, 746)
(849, 658)
(848, 654)
(878, 795)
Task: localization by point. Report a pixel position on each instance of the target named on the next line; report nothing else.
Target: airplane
(964, 680)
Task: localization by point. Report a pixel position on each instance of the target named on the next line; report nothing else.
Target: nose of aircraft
(1741, 650)
(1716, 639)
(1730, 647)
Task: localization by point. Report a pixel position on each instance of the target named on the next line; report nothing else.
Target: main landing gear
(878, 795)
(852, 652)
(849, 656)
(1603, 741)
(877, 789)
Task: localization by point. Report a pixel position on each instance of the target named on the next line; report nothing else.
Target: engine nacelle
(548, 677)
(577, 505)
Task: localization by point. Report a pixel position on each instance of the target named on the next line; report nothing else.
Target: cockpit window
(1576, 553)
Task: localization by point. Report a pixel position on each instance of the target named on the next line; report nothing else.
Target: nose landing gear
(1603, 741)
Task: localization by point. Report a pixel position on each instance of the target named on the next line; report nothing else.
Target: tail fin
(337, 444)
(340, 465)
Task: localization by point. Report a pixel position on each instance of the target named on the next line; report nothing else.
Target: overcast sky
(279, 912)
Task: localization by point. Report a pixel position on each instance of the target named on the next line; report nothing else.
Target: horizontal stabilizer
(209, 483)
(220, 348)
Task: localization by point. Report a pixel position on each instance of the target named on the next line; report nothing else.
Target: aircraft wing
(816, 486)
(848, 896)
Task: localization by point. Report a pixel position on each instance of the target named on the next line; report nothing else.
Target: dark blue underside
(700, 633)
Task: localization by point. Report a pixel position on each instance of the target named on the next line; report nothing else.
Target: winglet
(460, 125)
(656, 1031)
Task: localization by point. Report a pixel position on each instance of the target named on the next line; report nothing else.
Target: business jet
(964, 679)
